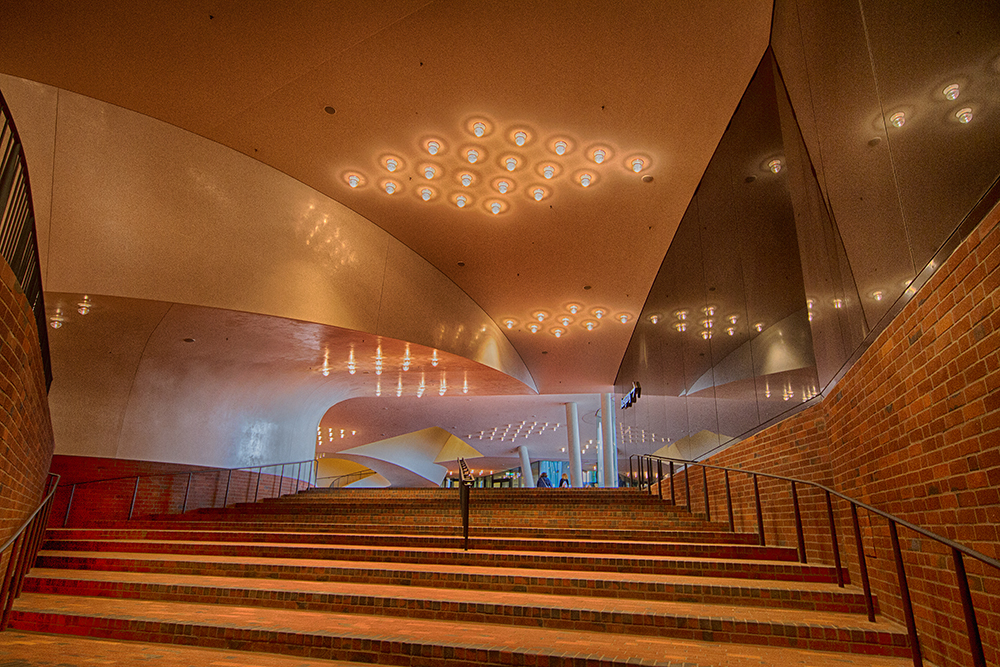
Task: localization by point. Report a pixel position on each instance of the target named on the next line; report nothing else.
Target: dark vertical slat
(798, 525)
(904, 595)
(729, 505)
(673, 496)
(72, 491)
(135, 493)
(760, 512)
(659, 478)
(863, 564)
(687, 489)
(704, 482)
(7, 593)
(833, 540)
(971, 626)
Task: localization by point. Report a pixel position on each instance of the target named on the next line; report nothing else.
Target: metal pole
(971, 626)
(760, 512)
(463, 494)
(729, 505)
(257, 488)
(904, 594)
(659, 477)
(7, 594)
(704, 482)
(833, 538)
(573, 443)
(72, 492)
(687, 489)
(187, 492)
(298, 477)
(673, 496)
(798, 525)
(135, 493)
(225, 501)
(649, 474)
(631, 475)
(862, 564)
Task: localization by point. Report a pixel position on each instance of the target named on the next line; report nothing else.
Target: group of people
(545, 483)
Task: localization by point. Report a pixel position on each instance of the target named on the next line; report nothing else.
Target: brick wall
(104, 488)
(24, 409)
(913, 429)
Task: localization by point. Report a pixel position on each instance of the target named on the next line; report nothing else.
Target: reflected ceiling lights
(897, 119)
(951, 92)
(774, 166)
(490, 150)
(964, 115)
(655, 319)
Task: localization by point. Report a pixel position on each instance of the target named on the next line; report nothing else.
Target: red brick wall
(26, 449)
(913, 428)
(105, 488)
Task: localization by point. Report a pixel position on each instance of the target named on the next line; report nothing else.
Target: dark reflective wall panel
(883, 121)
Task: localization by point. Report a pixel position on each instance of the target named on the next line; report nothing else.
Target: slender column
(600, 454)
(608, 431)
(575, 455)
(527, 480)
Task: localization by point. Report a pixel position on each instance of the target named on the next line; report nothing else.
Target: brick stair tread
(33, 649)
(216, 625)
(505, 605)
(521, 558)
(493, 543)
(465, 576)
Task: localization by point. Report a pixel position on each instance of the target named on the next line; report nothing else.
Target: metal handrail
(646, 474)
(310, 479)
(24, 545)
(361, 474)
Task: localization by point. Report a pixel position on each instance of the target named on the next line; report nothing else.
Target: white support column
(600, 454)
(573, 442)
(608, 431)
(527, 479)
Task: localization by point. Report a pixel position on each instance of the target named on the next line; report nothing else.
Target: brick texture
(913, 429)
(24, 409)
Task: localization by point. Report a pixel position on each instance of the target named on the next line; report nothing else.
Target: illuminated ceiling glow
(484, 167)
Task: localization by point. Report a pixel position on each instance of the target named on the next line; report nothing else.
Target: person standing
(564, 482)
(543, 481)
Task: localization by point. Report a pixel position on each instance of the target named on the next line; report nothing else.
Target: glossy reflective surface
(855, 153)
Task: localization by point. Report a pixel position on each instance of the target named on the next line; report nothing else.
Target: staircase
(553, 577)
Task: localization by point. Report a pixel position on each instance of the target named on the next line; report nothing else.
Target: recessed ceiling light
(390, 187)
(897, 119)
(599, 156)
(565, 320)
(503, 186)
(951, 91)
(964, 115)
(637, 165)
(511, 163)
(558, 332)
(473, 155)
(585, 179)
(774, 166)
(425, 194)
(534, 327)
(429, 172)
(391, 164)
(466, 180)
(538, 193)
(623, 318)
(589, 325)
(599, 312)
(560, 147)
(681, 326)
(433, 147)
(574, 308)
(479, 129)
(520, 138)
(353, 181)
(495, 207)
(540, 315)
(460, 201)
(548, 171)
(877, 295)
(654, 319)
(509, 323)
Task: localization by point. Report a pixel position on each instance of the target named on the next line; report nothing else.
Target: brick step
(665, 512)
(441, 583)
(633, 547)
(624, 616)
(706, 536)
(715, 567)
(373, 638)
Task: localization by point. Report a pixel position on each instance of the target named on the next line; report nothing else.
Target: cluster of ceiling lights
(332, 434)
(486, 166)
(575, 314)
(706, 324)
(58, 319)
(963, 114)
(788, 391)
(408, 360)
(513, 431)
(639, 435)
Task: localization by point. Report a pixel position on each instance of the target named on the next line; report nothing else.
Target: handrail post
(673, 497)
(729, 505)
(631, 475)
(687, 489)
(229, 479)
(257, 488)
(862, 564)
(659, 477)
(904, 594)
(704, 483)
(187, 492)
(649, 476)
(72, 492)
(833, 538)
(7, 594)
(281, 484)
(135, 492)
(971, 626)
(798, 526)
(298, 477)
(760, 512)
(463, 495)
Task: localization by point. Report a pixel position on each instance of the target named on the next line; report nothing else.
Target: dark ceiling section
(884, 121)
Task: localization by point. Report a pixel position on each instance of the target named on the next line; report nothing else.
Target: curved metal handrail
(24, 545)
(957, 550)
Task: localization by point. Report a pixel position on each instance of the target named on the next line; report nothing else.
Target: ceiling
(325, 91)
